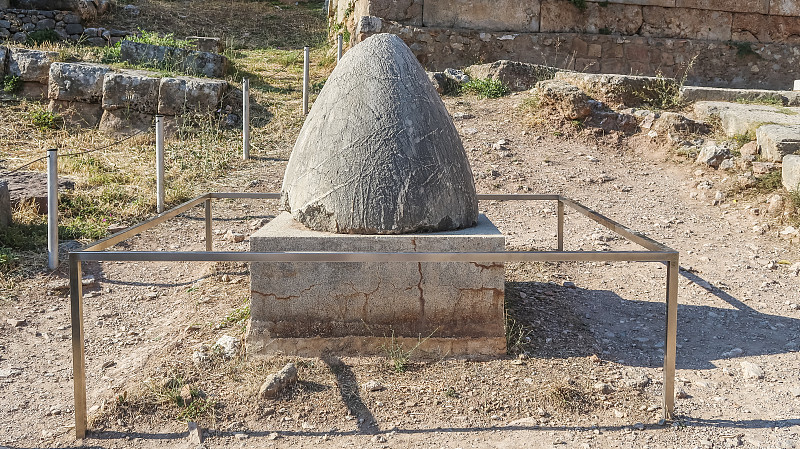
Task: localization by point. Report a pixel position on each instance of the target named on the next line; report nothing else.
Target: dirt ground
(585, 370)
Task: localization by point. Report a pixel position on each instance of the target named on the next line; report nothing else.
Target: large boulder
(625, 90)
(30, 65)
(77, 82)
(572, 102)
(516, 75)
(378, 153)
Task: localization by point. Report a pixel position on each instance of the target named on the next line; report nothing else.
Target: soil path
(739, 332)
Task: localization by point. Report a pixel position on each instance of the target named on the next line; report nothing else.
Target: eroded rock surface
(378, 153)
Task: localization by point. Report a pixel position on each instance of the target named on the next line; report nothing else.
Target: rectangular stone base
(308, 308)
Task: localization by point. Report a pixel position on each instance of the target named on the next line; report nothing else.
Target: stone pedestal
(309, 309)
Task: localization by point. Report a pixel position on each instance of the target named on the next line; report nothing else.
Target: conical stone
(378, 152)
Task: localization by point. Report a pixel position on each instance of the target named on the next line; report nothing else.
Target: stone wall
(17, 24)
(735, 42)
(116, 101)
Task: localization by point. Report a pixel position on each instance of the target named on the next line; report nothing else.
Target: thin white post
(52, 209)
(339, 44)
(305, 80)
(245, 119)
(159, 163)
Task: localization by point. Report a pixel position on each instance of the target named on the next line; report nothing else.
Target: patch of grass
(8, 259)
(39, 37)
(400, 357)
(743, 49)
(517, 336)
(12, 84)
(45, 120)
(738, 140)
(567, 397)
(580, 4)
(770, 182)
(768, 100)
(486, 88)
(237, 316)
(166, 40)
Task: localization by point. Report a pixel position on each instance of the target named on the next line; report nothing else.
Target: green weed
(166, 40)
(770, 182)
(239, 315)
(486, 88)
(45, 120)
(399, 357)
(768, 100)
(580, 4)
(12, 84)
(743, 49)
(42, 36)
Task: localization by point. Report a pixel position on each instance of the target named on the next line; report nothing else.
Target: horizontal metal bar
(113, 239)
(500, 256)
(246, 195)
(517, 197)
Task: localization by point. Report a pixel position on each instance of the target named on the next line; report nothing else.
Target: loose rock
(227, 346)
(277, 382)
(752, 371)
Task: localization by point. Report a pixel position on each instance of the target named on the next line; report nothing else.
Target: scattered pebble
(752, 371)
(373, 385)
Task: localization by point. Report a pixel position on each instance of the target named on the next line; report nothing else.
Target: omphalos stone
(378, 152)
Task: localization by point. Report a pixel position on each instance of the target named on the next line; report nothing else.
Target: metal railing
(654, 252)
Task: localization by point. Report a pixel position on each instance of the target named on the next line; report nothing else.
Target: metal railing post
(52, 209)
(670, 344)
(78, 355)
(245, 119)
(560, 225)
(159, 163)
(339, 46)
(306, 56)
(209, 244)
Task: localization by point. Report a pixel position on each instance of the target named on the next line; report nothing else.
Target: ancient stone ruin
(377, 164)
(732, 43)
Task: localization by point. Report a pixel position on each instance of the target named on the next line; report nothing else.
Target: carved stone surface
(306, 308)
(378, 153)
(77, 82)
(131, 90)
(494, 15)
(30, 65)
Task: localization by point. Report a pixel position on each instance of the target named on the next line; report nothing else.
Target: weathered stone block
(133, 90)
(570, 101)
(516, 75)
(625, 90)
(559, 16)
(307, 308)
(491, 15)
(777, 141)
(209, 44)
(756, 6)
(669, 3)
(122, 122)
(761, 28)
(189, 95)
(33, 90)
(686, 23)
(76, 113)
(692, 94)
(3, 55)
(77, 82)
(404, 11)
(30, 65)
(741, 119)
(5, 205)
(784, 7)
(188, 61)
(790, 174)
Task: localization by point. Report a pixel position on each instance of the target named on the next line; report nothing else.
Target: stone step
(791, 172)
(693, 94)
(743, 119)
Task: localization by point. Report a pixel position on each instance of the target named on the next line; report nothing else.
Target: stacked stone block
(735, 41)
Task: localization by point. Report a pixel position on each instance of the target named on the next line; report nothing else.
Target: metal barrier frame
(655, 252)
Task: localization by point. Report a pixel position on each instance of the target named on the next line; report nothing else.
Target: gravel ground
(585, 371)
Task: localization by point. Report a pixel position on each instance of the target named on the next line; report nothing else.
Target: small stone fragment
(378, 439)
(603, 388)
(227, 346)
(277, 382)
(241, 436)
(273, 436)
(195, 434)
(234, 237)
(752, 371)
(16, 323)
(186, 395)
(682, 394)
(373, 385)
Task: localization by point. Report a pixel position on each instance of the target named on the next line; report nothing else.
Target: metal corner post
(52, 209)
(159, 163)
(306, 57)
(78, 355)
(671, 337)
(209, 243)
(245, 119)
(560, 231)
